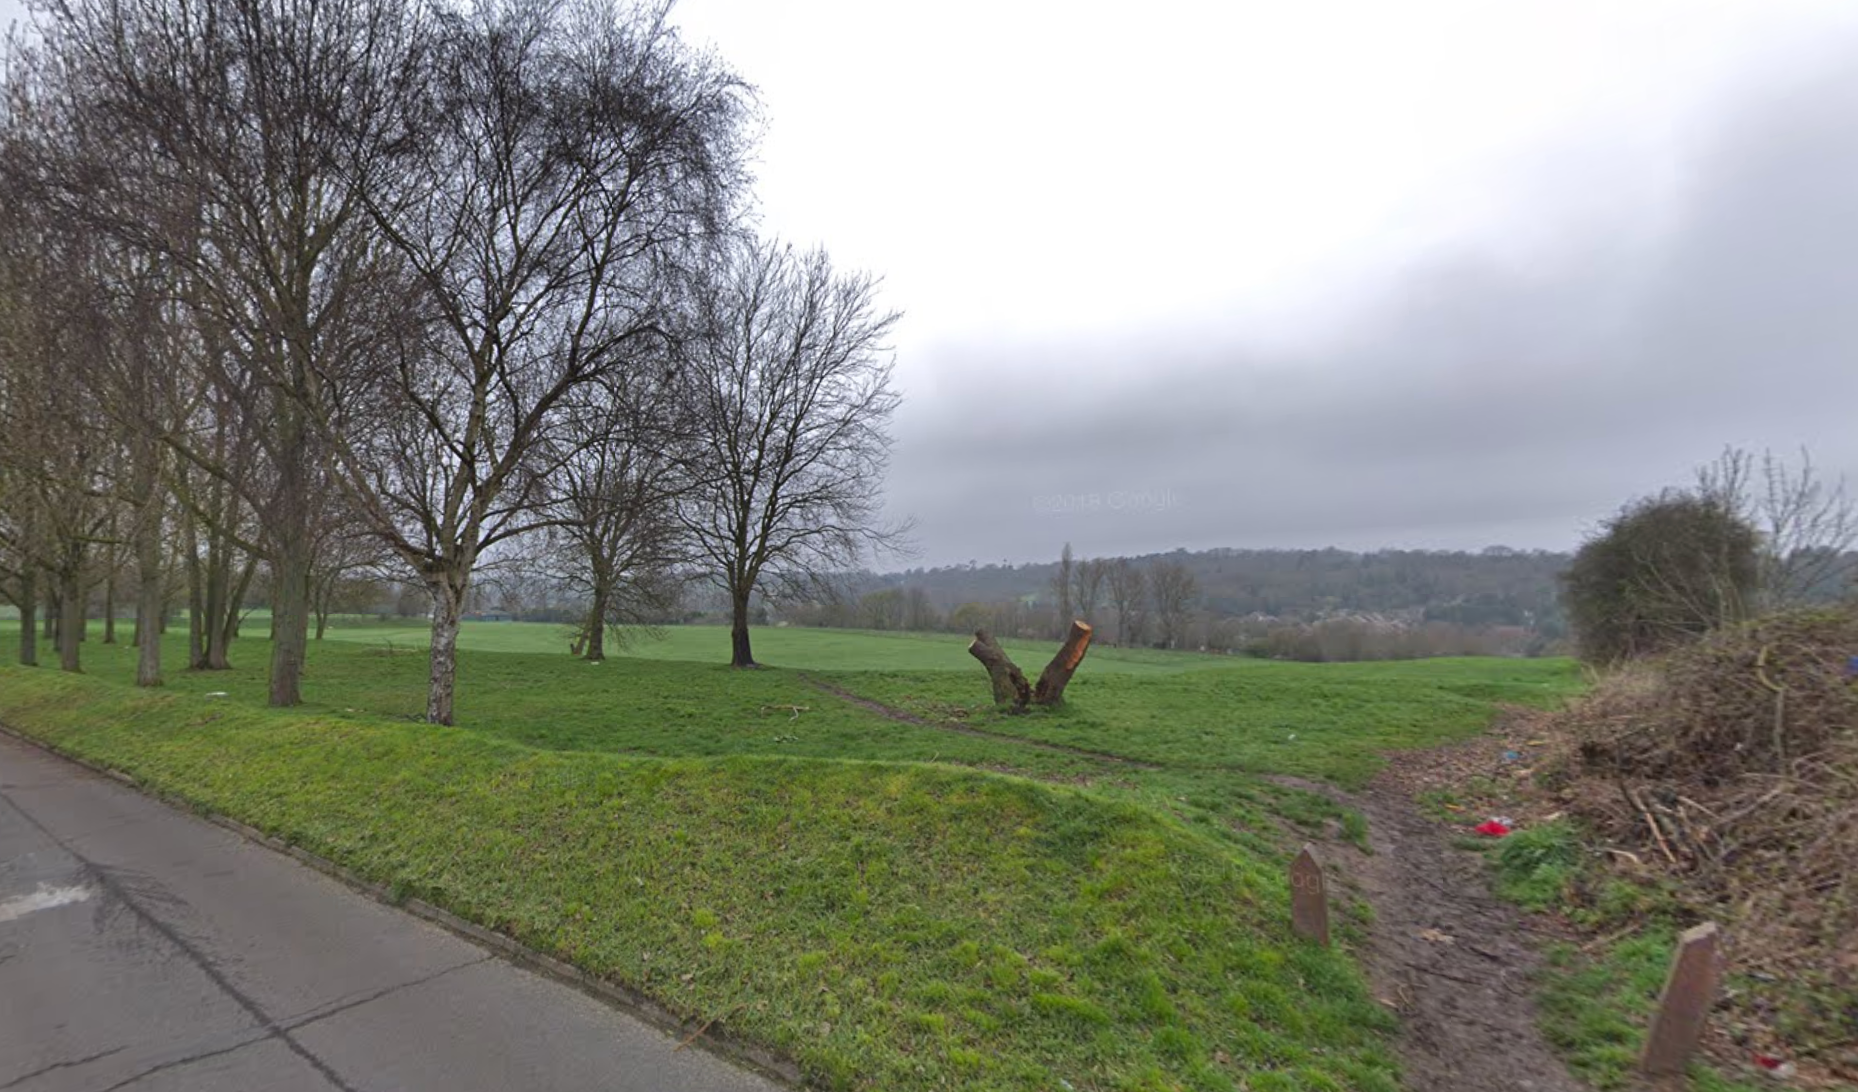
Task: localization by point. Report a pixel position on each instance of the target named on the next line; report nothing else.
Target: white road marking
(44, 898)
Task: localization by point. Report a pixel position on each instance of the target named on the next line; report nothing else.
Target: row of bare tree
(290, 288)
(1163, 592)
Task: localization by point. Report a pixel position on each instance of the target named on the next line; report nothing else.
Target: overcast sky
(1434, 273)
(1424, 273)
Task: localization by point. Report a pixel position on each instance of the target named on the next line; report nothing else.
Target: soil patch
(1457, 964)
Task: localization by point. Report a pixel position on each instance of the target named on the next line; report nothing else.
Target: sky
(1423, 274)
(1428, 274)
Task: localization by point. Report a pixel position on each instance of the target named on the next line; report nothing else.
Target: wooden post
(1309, 899)
(1684, 1006)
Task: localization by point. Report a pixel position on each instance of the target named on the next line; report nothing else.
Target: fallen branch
(1653, 825)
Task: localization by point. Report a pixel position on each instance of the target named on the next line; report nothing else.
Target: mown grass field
(867, 893)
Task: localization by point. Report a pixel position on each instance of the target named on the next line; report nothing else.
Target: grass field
(863, 891)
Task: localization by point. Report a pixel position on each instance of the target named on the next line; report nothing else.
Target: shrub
(1661, 573)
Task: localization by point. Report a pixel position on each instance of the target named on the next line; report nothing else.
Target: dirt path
(1456, 963)
(1453, 961)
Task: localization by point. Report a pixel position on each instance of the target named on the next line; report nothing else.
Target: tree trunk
(216, 581)
(229, 624)
(448, 595)
(740, 653)
(290, 619)
(109, 605)
(219, 607)
(1009, 683)
(293, 555)
(149, 605)
(196, 601)
(1011, 691)
(53, 610)
(322, 622)
(70, 619)
(29, 616)
(1057, 674)
(596, 627)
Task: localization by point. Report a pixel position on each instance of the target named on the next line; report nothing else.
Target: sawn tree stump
(1009, 683)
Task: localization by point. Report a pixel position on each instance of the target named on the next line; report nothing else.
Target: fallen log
(1011, 691)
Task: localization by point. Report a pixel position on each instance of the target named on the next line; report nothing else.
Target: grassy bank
(944, 898)
(889, 925)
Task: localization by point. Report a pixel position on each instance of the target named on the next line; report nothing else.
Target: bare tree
(1087, 587)
(1175, 591)
(617, 541)
(1061, 591)
(216, 128)
(568, 155)
(347, 552)
(1128, 588)
(1808, 524)
(919, 613)
(791, 383)
(55, 329)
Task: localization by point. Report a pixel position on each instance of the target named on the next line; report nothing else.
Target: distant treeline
(1289, 604)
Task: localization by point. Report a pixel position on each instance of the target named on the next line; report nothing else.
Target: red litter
(1493, 828)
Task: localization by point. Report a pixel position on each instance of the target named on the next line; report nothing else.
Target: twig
(1653, 824)
(698, 1034)
(1603, 941)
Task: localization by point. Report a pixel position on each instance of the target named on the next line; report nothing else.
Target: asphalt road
(143, 948)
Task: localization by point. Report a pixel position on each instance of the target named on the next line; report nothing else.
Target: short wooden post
(1684, 1006)
(1309, 899)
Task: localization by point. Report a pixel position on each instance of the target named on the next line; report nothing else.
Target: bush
(1661, 573)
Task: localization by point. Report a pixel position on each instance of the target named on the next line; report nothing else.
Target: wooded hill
(1493, 587)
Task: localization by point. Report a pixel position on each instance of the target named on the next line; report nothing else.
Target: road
(144, 948)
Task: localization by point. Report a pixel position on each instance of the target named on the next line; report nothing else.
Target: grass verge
(888, 925)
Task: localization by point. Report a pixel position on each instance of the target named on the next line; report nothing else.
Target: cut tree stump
(1010, 686)
(1057, 674)
(1009, 683)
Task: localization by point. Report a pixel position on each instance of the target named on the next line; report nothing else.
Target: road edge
(704, 1035)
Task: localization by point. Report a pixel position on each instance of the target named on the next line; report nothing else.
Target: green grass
(1596, 1002)
(1091, 895)
(1325, 721)
(811, 649)
(1595, 1008)
(1535, 865)
(893, 926)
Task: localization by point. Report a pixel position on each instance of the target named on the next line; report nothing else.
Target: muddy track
(1455, 962)
(902, 717)
(1452, 960)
